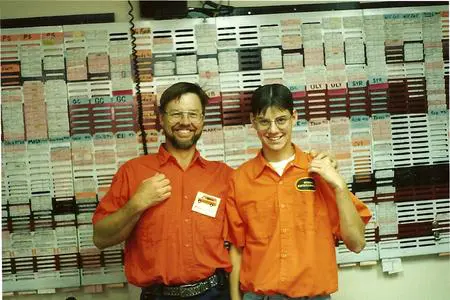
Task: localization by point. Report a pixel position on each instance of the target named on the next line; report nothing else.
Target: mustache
(181, 127)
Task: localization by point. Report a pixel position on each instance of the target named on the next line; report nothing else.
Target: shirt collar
(164, 156)
(300, 161)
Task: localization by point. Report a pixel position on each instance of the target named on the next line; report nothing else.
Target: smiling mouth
(274, 138)
(184, 132)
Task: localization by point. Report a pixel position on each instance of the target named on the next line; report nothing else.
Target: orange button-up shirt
(287, 227)
(171, 244)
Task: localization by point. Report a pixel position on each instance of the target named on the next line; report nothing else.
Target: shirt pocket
(210, 227)
(311, 212)
(261, 219)
(156, 225)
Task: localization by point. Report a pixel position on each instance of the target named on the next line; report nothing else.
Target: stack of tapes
(300, 134)
(381, 142)
(57, 112)
(361, 148)
(211, 144)
(13, 127)
(410, 141)
(235, 138)
(252, 142)
(341, 146)
(438, 125)
(61, 167)
(126, 146)
(105, 161)
(83, 169)
(319, 135)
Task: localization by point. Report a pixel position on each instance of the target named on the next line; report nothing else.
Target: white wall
(12, 9)
(423, 278)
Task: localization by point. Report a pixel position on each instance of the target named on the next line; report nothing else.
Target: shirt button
(283, 205)
(187, 245)
(185, 197)
(186, 220)
(280, 182)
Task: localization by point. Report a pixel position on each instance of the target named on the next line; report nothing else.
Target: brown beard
(182, 145)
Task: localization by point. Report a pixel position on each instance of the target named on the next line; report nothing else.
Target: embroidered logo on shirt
(305, 184)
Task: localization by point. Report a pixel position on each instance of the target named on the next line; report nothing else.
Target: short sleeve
(116, 197)
(235, 232)
(362, 209)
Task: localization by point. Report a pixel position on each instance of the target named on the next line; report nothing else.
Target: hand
(326, 166)
(151, 192)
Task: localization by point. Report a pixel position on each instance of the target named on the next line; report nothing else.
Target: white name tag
(206, 204)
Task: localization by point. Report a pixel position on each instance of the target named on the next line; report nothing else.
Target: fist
(325, 165)
(151, 192)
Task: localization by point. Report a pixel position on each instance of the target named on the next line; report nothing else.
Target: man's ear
(295, 116)
(160, 116)
(252, 118)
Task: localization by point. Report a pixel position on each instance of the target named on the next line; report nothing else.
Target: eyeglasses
(177, 116)
(280, 122)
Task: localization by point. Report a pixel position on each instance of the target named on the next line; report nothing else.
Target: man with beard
(168, 207)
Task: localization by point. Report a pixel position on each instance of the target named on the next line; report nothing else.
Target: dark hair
(272, 95)
(175, 91)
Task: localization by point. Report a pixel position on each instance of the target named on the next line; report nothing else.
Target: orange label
(10, 68)
(30, 37)
(144, 53)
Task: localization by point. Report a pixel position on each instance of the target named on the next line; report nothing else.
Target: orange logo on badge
(207, 200)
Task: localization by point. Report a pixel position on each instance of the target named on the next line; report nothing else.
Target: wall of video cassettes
(369, 85)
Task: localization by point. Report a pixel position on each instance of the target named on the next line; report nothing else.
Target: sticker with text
(206, 204)
(305, 184)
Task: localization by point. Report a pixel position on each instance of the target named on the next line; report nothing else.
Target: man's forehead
(186, 99)
(272, 111)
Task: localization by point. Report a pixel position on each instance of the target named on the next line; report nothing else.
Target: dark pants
(218, 292)
(215, 293)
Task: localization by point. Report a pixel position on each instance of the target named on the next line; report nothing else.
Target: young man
(285, 211)
(174, 242)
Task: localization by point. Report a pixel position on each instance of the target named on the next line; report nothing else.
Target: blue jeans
(215, 293)
(252, 296)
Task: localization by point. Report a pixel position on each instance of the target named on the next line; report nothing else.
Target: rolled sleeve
(362, 209)
(115, 198)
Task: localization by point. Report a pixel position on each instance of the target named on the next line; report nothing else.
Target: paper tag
(206, 204)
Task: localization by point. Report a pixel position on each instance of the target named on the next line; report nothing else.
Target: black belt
(186, 290)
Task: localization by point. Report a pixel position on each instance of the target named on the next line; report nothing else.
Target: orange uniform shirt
(287, 227)
(171, 244)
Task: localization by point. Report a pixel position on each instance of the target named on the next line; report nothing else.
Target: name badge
(305, 184)
(206, 204)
